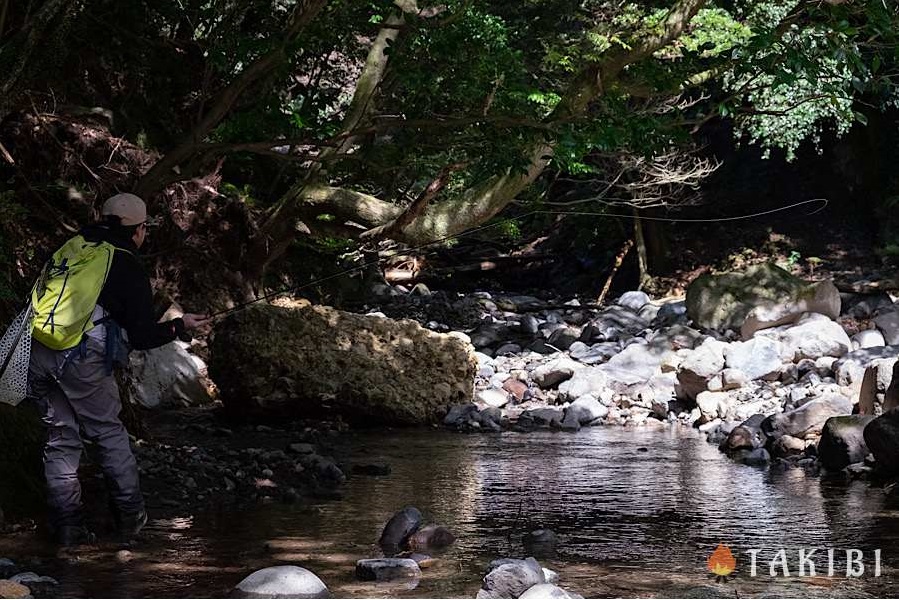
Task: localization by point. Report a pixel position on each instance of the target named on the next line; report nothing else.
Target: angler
(92, 305)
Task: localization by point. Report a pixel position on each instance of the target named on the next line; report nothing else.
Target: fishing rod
(228, 311)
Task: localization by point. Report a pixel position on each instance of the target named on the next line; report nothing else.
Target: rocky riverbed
(768, 367)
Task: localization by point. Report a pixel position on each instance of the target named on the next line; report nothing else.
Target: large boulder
(168, 376)
(843, 441)
(808, 419)
(315, 360)
(882, 438)
(761, 296)
(284, 581)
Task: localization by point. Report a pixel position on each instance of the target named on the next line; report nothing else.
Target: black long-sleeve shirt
(127, 294)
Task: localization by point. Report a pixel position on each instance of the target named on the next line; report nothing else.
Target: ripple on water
(628, 522)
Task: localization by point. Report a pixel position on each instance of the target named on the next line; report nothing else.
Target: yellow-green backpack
(66, 294)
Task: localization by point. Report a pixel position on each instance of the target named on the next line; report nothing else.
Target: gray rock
(675, 337)
(843, 441)
(888, 324)
(864, 306)
(615, 320)
(758, 358)
(742, 438)
(546, 590)
(787, 445)
(633, 300)
(431, 537)
(850, 369)
(540, 543)
(459, 413)
(387, 569)
(597, 353)
(285, 581)
(31, 579)
(649, 312)
(529, 324)
(587, 409)
(399, 528)
(882, 438)
(635, 364)
(168, 376)
(540, 417)
(672, 313)
(7, 567)
(754, 458)
(511, 579)
(553, 373)
(520, 303)
(564, 337)
(508, 348)
(808, 419)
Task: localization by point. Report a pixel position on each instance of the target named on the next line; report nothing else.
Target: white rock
(586, 381)
(633, 300)
(868, 338)
(168, 375)
(713, 404)
(758, 358)
(285, 581)
(493, 398)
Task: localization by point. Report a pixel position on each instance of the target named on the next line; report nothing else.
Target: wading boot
(130, 524)
(74, 535)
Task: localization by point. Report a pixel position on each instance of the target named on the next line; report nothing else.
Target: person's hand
(195, 321)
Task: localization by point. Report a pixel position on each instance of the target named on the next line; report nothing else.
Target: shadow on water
(628, 522)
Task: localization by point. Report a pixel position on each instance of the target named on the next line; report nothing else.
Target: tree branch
(161, 173)
(396, 226)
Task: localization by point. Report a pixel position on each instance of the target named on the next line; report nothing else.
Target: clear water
(629, 522)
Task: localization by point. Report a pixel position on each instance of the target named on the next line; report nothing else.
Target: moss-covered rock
(316, 361)
(21, 472)
(761, 296)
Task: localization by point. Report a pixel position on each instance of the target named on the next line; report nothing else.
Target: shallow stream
(636, 512)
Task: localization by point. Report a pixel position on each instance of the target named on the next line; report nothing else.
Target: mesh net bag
(15, 353)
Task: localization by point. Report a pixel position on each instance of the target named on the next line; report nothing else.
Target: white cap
(130, 209)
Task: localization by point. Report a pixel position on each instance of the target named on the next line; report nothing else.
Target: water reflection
(628, 522)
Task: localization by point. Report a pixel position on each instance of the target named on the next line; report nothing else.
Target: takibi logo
(722, 563)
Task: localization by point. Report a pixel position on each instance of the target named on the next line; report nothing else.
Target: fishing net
(15, 353)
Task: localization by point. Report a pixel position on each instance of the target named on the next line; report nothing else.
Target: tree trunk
(477, 204)
(642, 257)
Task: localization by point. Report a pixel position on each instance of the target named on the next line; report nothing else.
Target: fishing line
(822, 201)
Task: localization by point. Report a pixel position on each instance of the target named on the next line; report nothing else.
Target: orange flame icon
(722, 562)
